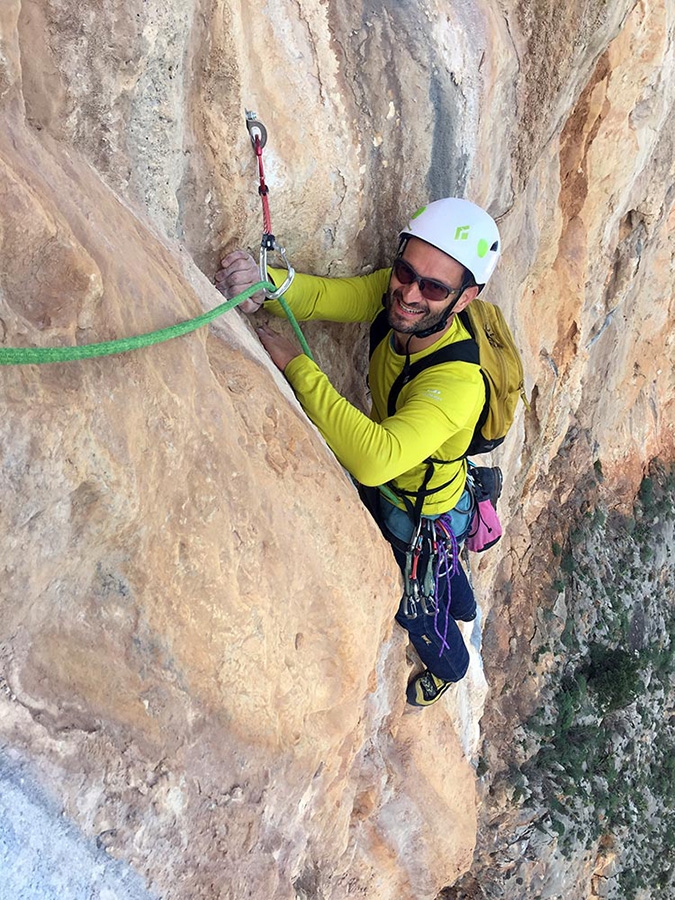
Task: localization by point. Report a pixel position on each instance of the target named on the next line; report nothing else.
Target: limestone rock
(198, 663)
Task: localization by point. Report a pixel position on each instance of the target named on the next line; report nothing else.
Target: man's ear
(466, 297)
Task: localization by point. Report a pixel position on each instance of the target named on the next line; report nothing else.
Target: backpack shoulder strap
(465, 319)
(462, 351)
(379, 329)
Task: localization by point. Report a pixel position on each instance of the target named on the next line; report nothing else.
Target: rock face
(199, 674)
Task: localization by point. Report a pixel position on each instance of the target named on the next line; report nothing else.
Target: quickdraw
(258, 134)
(421, 590)
(411, 586)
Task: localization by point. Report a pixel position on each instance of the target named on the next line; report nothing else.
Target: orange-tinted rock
(197, 654)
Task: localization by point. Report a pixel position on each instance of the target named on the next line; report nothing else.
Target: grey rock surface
(44, 856)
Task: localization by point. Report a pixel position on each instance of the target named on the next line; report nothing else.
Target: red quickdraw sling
(258, 135)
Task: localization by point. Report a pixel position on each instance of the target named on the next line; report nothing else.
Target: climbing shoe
(426, 688)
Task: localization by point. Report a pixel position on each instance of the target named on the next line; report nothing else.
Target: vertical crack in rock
(448, 167)
(559, 51)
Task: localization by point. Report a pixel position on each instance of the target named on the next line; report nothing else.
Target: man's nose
(411, 292)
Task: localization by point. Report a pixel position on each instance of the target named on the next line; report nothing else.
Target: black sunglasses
(429, 289)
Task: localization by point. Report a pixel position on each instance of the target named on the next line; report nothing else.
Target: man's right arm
(310, 297)
(356, 299)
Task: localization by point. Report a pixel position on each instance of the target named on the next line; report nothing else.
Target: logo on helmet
(462, 233)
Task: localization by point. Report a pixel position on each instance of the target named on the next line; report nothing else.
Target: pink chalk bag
(485, 485)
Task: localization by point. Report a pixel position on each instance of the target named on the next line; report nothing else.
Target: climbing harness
(258, 134)
(421, 588)
(433, 550)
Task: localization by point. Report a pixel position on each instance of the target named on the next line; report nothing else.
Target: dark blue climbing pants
(442, 651)
(436, 638)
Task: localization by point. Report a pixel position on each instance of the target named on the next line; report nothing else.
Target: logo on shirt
(433, 394)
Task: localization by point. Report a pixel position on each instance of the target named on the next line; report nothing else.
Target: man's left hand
(279, 348)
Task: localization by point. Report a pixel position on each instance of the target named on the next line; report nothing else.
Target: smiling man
(409, 455)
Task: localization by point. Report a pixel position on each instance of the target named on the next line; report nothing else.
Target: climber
(445, 257)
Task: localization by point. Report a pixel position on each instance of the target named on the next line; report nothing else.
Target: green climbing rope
(15, 356)
(389, 494)
(296, 328)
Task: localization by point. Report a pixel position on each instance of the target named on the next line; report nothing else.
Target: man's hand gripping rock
(237, 273)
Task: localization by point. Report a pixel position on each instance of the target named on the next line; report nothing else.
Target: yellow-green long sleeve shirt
(437, 410)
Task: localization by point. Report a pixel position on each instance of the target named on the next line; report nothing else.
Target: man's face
(407, 310)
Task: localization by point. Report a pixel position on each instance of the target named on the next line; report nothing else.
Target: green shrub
(646, 495)
(646, 552)
(614, 676)
(558, 827)
(567, 564)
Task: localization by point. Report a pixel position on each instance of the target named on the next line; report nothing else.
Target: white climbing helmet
(462, 230)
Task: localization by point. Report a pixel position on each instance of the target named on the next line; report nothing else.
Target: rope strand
(442, 561)
(14, 356)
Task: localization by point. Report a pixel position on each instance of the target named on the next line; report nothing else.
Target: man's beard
(420, 323)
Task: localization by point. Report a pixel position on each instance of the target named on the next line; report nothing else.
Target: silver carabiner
(256, 129)
(410, 606)
(428, 603)
(274, 295)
